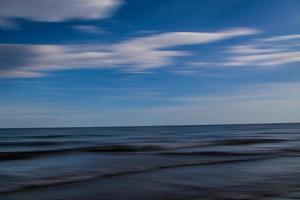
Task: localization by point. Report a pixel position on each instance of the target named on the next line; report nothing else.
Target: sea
(254, 161)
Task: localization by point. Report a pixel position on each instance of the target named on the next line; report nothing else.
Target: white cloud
(164, 40)
(272, 51)
(267, 59)
(264, 52)
(281, 38)
(56, 10)
(252, 49)
(89, 29)
(23, 74)
(137, 54)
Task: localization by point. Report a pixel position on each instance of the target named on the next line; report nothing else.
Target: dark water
(155, 163)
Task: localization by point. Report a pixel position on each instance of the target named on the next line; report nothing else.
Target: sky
(66, 63)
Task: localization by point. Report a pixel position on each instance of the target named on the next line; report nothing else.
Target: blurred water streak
(175, 162)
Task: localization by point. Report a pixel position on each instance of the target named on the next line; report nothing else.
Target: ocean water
(151, 163)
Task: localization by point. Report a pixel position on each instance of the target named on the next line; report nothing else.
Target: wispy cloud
(165, 40)
(281, 38)
(272, 51)
(89, 29)
(263, 52)
(137, 54)
(56, 10)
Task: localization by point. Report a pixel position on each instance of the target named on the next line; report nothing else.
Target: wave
(30, 154)
(96, 175)
(220, 153)
(124, 148)
(35, 143)
(105, 149)
(247, 141)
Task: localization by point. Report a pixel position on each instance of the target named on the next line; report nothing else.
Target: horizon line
(132, 126)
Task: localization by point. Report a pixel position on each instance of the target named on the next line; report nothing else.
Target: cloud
(263, 52)
(89, 29)
(165, 40)
(56, 10)
(136, 54)
(281, 38)
(270, 59)
(272, 51)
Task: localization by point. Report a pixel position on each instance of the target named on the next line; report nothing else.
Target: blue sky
(148, 62)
